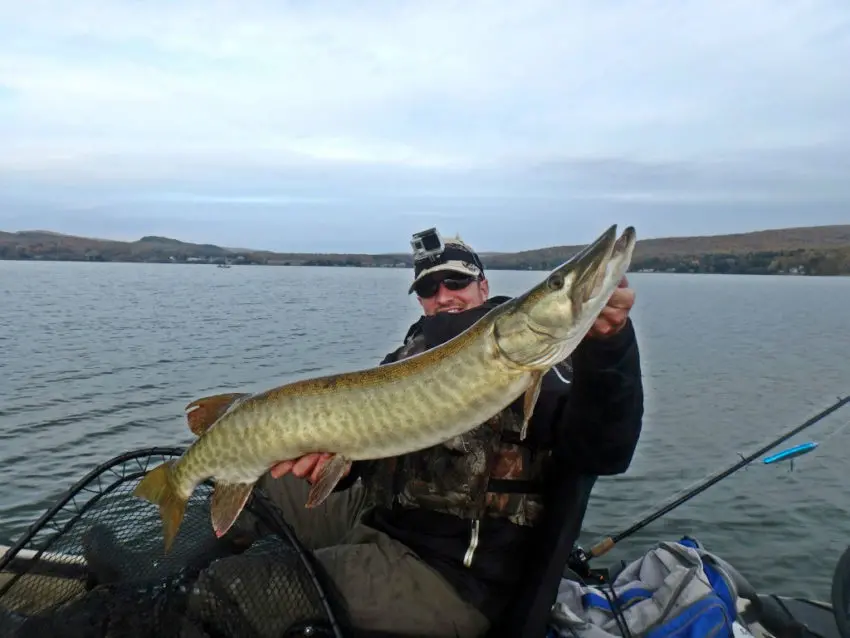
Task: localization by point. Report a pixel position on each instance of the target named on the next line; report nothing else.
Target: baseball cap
(456, 257)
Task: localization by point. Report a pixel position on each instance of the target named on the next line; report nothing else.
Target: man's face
(450, 292)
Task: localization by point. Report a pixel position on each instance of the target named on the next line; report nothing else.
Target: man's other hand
(307, 466)
(614, 315)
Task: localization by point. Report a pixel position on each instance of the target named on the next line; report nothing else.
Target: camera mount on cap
(427, 246)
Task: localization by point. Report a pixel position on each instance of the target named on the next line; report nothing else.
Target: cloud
(444, 81)
(441, 107)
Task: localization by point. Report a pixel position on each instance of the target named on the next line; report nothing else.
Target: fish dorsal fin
(207, 410)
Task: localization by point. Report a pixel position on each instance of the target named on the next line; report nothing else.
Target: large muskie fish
(392, 409)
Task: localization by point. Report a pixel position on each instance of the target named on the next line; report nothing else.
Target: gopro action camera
(427, 245)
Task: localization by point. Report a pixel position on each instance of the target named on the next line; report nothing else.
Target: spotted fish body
(392, 409)
(378, 412)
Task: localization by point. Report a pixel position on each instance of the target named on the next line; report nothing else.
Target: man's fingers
(320, 463)
(613, 316)
(600, 328)
(609, 322)
(305, 465)
(622, 298)
(281, 469)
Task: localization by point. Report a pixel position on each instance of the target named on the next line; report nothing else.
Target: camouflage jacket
(485, 472)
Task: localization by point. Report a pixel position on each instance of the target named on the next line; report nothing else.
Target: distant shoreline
(490, 268)
(816, 250)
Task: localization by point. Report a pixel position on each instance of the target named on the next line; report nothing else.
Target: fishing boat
(94, 561)
(765, 616)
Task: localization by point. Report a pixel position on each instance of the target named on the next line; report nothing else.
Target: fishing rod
(608, 543)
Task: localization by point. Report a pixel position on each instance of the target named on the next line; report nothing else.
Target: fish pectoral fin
(331, 473)
(207, 410)
(228, 499)
(531, 395)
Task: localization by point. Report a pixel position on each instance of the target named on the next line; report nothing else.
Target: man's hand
(613, 317)
(307, 466)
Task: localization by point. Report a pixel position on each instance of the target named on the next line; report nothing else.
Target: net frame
(30, 557)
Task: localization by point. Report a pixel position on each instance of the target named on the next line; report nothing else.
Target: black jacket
(589, 412)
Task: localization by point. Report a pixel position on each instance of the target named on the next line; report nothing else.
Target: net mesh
(94, 565)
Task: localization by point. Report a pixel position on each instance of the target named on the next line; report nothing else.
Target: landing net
(93, 565)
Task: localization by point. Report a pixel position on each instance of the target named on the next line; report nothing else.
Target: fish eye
(556, 281)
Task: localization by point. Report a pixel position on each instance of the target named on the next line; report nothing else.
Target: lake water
(97, 359)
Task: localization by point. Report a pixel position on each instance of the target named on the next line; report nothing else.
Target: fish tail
(157, 487)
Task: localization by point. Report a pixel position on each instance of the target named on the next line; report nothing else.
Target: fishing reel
(578, 561)
(427, 246)
(578, 565)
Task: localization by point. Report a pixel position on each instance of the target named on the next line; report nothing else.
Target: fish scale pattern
(95, 567)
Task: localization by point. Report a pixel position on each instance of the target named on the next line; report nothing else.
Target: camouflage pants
(386, 586)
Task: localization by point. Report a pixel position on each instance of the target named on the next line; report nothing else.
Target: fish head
(544, 325)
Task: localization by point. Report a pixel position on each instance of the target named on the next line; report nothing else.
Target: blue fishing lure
(791, 453)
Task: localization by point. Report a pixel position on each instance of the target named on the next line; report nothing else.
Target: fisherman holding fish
(432, 541)
(407, 564)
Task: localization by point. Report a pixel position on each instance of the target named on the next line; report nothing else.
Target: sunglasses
(429, 286)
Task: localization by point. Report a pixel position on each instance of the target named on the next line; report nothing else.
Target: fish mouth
(560, 310)
(595, 266)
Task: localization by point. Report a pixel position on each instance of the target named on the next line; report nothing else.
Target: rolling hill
(821, 250)
(814, 250)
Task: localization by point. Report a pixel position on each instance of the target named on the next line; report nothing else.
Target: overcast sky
(314, 126)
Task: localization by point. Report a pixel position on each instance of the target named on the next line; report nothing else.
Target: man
(418, 546)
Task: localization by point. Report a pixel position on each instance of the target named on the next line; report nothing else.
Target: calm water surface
(97, 359)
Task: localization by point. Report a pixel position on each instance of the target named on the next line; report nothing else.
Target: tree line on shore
(818, 250)
(816, 262)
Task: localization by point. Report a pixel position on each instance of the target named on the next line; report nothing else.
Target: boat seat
(557, 534)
